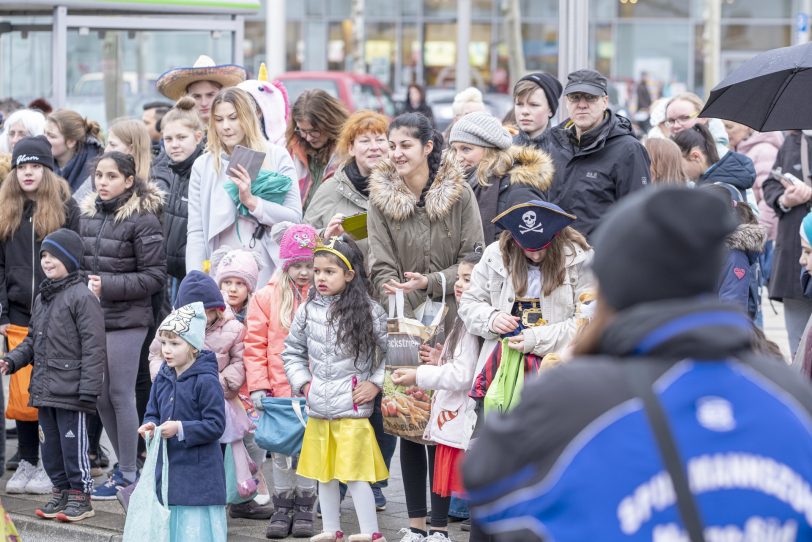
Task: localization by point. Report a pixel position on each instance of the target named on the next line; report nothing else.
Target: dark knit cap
(33, 150)
(198, 286)
(662, 243)
(550, 85)
(66, 246)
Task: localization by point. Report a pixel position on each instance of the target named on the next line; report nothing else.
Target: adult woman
(315, 121)
(535, 102)
(131, 137)
(22, 123)
(416, 102)
(495, 170)
(666, 161)
(238, 218)
(363, 140)
(35, 202)
(423, 220)
(702, 164)
(681, 113)
(75, 144)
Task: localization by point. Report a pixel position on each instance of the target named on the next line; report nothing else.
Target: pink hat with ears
(241, 264)
(297, 244)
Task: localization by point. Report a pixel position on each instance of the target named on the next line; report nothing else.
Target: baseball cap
(586, 81)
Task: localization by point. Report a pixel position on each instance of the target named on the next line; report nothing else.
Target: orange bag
(18, 408)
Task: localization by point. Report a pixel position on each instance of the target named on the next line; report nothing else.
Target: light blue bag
(282, 425)
(232, 491)
(147, 518)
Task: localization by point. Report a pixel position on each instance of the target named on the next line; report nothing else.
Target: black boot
(250, 510)
(58, 502)
(303, 516)
(78, 507)
(279, 526)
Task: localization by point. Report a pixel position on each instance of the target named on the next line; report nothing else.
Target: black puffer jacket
(20, 271)
(66, 343)
(176, 214)
(124, 246)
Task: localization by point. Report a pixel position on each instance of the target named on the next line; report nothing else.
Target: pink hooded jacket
(762, 149)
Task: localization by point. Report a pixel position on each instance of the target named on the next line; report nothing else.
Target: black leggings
(416, 465)
(28, 441)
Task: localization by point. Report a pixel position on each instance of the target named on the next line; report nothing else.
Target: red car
(356, 91)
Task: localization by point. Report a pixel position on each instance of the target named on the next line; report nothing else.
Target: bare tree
(511, 14)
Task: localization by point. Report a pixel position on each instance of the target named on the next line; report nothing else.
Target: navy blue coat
(195, 398)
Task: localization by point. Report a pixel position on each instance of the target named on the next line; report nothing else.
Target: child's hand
(3, 367)
(335, 227)
(365, 392)
(169, 429)
(405, 377)
(146, 428)
(95, 285)
(431, 354)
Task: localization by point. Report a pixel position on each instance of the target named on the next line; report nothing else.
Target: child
(186, 407)
(270, 313)
(331, 351)
(124, 254)
(66, 344)
(236, 275)
(453, 415)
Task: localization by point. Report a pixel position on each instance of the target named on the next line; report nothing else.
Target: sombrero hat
(174, 82)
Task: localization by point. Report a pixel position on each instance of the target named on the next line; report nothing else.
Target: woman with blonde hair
(75, 142)
(315, 123)
(130, 136)
(666, 161)
(226, 206)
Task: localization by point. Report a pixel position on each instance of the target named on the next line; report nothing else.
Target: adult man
(597, 159)
(202, 82)
(668, 379)
(152, 115)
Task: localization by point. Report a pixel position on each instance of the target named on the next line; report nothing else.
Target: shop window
(652, 8)
(343, 8)
(25, 64)
(379, 51)
(540, 43)
(755, 38)
(547, 9)
(751, 9)
(440, 8)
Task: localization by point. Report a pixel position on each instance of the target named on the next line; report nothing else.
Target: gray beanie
(480, 129)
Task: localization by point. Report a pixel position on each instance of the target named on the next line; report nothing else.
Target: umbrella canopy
(769, 92)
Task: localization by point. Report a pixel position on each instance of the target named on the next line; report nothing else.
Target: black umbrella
(771, 91)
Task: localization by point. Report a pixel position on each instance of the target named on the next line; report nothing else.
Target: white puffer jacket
(312, 355)
(492, 291)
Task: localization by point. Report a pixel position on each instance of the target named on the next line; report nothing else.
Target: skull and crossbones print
(529, 219)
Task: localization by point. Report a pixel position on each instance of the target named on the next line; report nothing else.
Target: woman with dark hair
(315, 123)
(423, 221)
(416, 102)
(701, 162)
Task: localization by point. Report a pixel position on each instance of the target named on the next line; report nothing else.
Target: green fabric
(268, 185)
(505, 390)
(232, 491)
(147, 518)
(316, 170)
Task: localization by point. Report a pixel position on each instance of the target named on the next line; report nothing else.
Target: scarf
(183, 169)
(78, 168)
(360, 182)
(49, 288)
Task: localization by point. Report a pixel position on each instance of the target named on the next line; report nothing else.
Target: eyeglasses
(307, 133)
(576, 97)
(680, 120)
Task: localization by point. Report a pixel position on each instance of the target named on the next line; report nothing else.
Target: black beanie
(66, 246)
(550, 85)
(33, 150)
(661, 243)
(198, 286)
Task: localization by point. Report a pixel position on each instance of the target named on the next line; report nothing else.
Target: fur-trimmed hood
(389, 192)
(747, 238)
(531, 167)
(150, 202)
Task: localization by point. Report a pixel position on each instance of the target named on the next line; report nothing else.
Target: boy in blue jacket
(186, 406)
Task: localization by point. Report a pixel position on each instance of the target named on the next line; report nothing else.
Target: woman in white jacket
(218, 218)
(528, 284)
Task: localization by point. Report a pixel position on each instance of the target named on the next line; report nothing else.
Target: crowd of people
(157, 285)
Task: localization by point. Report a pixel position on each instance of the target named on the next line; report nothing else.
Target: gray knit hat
(480, 129)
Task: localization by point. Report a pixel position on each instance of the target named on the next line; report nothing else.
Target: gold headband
(330, 247)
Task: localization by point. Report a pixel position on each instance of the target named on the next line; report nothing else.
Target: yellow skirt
(344, 450)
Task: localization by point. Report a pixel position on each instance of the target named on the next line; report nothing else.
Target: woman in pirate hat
(528, 287)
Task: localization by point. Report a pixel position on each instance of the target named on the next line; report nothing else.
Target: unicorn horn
(263, 72)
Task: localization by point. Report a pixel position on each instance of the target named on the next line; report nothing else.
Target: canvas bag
(147, 518)
(281, 425)
(505, 391)
(407, 409)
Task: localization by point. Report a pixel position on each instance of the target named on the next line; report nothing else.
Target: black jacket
(66, 343)
(20, 271)
(176, 214)
(540, 142)
(576, 459)
(124, 245)
(785, 277)
(608, 164)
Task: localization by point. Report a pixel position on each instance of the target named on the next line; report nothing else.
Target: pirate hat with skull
(189, 323)
(534, 224)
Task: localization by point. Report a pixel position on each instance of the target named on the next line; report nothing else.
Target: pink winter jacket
(225, 338)
(762, 148)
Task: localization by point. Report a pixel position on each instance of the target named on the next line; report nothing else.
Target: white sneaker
(410, 536)
(39, 484)
(22, 476)
(437, 537)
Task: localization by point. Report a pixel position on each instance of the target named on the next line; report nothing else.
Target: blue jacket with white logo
(577, 460)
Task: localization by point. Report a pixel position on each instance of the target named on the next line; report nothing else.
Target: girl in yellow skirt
(330, 358)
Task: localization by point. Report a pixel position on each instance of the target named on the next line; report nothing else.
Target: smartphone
(777, 173)
(250, 159)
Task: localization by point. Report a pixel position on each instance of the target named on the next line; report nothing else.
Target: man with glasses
(597, 159)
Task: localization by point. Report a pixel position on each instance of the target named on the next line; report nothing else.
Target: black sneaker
(466, 525)
(250, 510)
(78, 507)
(58, 502)
(14, 462)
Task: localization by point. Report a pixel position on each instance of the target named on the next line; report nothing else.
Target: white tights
(330, 500)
